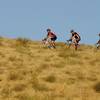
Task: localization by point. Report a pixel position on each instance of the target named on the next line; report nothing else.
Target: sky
(31, 18)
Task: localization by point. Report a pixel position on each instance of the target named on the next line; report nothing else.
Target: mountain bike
(73, 43)
(48, 43)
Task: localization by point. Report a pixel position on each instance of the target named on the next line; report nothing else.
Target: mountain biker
(52, 37)
(98, 43)
(74, 37)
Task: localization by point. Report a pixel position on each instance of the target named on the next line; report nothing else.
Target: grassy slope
(30, 72)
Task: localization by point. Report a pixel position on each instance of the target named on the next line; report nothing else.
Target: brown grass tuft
(22, 42)
(50, 78)
(97, 87)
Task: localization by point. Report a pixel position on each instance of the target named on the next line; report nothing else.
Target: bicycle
(73, 43)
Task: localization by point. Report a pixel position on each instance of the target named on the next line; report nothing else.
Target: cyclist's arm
(78, 36)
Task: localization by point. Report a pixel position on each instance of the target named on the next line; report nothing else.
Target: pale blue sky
(31, 18)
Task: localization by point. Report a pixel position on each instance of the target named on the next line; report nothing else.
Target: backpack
(78, 36)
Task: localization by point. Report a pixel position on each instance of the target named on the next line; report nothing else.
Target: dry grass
(30, 72)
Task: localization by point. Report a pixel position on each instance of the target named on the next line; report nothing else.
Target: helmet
(71, 31)
(48, 29)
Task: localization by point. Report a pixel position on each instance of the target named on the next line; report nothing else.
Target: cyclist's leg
(75, 42)
(53, 42)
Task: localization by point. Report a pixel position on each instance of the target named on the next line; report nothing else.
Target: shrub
(36, 85)
(12, 76)
(22, 42)
(97, 87)
(50, 78)
(1, 39)
(19, 87)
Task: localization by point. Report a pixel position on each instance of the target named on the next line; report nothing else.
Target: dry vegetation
(29, 71)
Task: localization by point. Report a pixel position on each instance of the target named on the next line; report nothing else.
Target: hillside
(29, 71)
